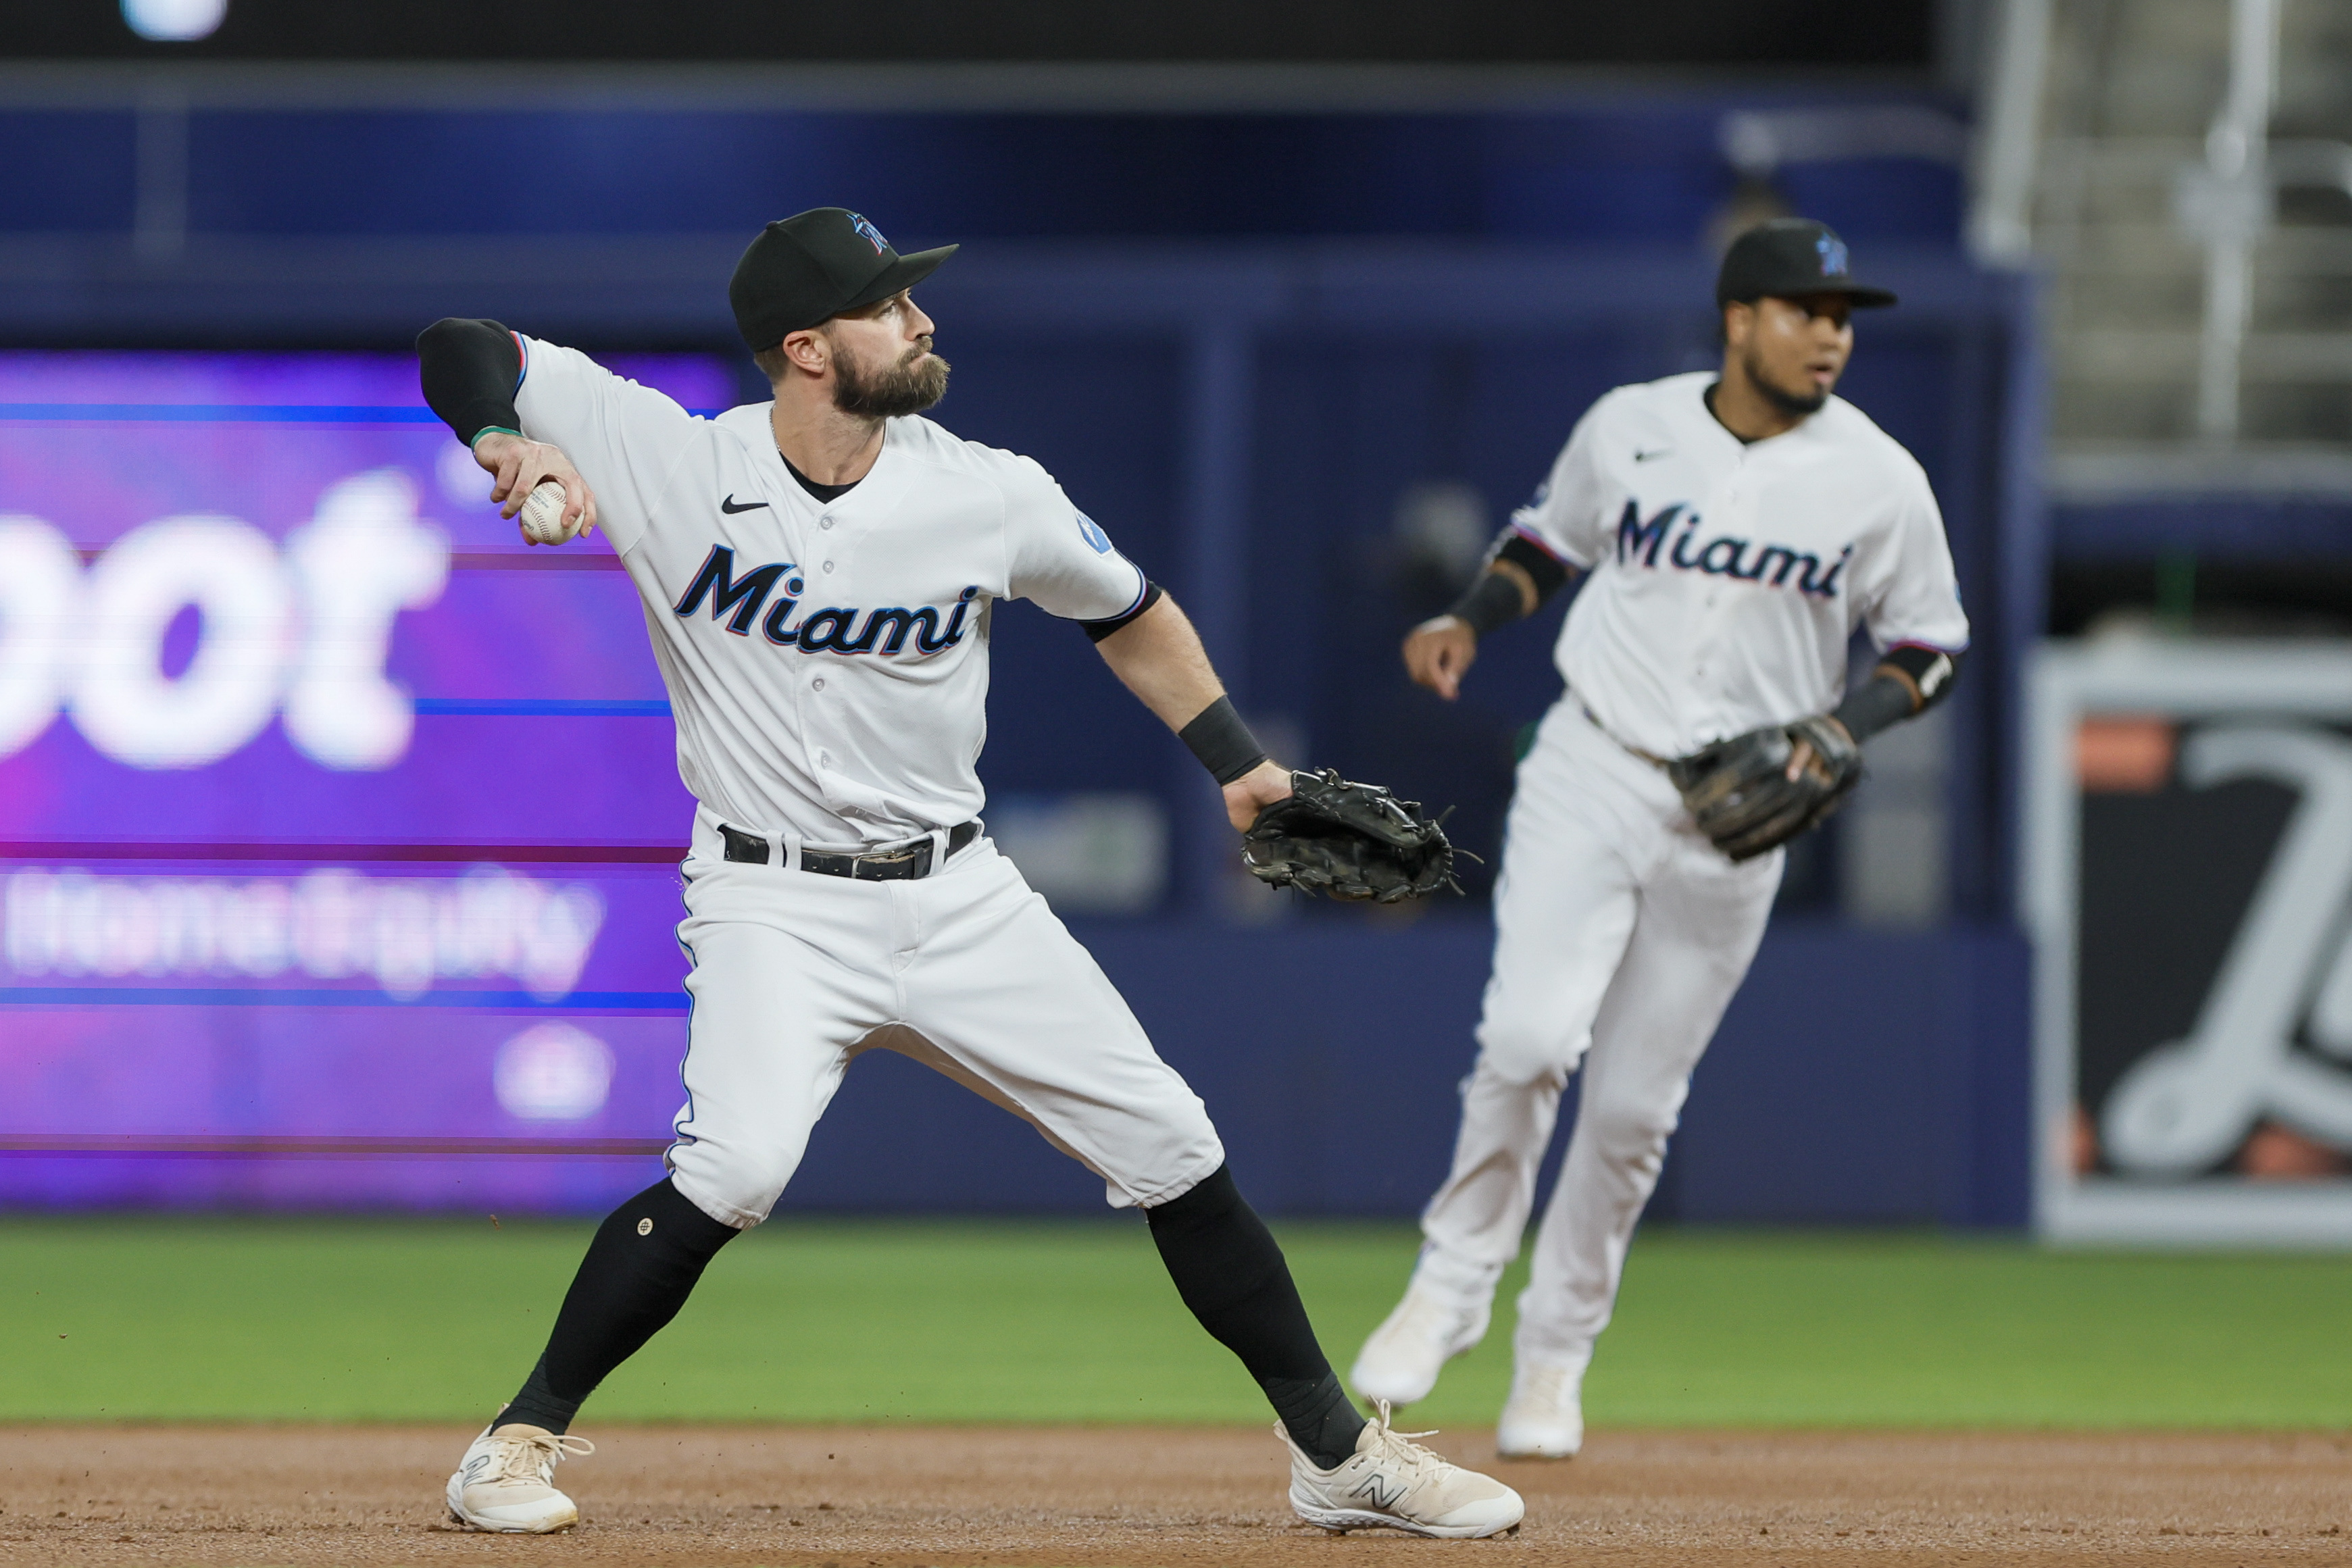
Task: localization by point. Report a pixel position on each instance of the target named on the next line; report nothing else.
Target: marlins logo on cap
(807, 268)
(1792, 258)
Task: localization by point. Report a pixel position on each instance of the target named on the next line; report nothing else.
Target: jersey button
(817, 685)
(824, 522)
(828, 566)
(825, 759)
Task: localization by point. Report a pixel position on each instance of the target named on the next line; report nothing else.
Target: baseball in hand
(542, 515)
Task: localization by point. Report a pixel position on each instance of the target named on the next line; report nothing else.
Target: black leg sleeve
(469, 372)
(1229, 1272)
(639, 1271)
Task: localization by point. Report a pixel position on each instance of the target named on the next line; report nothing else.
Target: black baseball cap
(1790, 258)
(813, 267)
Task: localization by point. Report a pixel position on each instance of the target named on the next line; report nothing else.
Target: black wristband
(1492, 600)
(1223, 742)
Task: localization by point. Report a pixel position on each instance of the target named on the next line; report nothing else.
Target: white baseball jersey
(826, 661)
(827, 664)
(1727, 577)
(1727, 580)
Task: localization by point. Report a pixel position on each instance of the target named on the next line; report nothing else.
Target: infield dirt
(1139, 1496)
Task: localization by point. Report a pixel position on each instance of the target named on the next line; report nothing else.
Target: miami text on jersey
(832, 630)
(1724, 556)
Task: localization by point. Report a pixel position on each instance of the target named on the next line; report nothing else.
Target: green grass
(186, 1319)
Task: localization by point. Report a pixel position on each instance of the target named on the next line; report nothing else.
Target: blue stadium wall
(1859, 1078)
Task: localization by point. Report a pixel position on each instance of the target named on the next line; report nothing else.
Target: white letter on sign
(123, 701)
(40, 598)
(364, 559)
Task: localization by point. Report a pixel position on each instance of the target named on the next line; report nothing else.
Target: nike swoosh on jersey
(1641, 456)
(730, 507)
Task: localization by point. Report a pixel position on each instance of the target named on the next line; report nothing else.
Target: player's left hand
(1801, 757)
(1253, 791)
(1347, 840)
(1754, 792)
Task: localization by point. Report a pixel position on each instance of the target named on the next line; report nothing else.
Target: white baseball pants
(966, 971)
(1620, 937)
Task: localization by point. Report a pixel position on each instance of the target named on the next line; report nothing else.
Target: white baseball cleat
(1544, 1416)
(1401, 1361)
(1392, 1482)
(506, 1485)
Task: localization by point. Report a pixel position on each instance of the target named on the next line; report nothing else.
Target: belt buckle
(894, 859)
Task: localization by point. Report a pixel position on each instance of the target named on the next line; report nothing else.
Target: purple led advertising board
(338, 828)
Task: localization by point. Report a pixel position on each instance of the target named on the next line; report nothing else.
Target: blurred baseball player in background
(1734, 529)
(817, 576)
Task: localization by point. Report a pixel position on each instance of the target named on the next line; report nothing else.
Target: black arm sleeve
(1493, 598)
(1886, 699)
(1097, 630)
(469, 371)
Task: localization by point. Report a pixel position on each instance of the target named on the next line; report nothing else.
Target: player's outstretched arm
(1517, 579)
(1159, 657)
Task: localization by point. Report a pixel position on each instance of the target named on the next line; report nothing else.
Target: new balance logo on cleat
(1392, 1482)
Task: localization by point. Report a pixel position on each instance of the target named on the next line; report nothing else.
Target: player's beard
(917, 381)
(1780, 397)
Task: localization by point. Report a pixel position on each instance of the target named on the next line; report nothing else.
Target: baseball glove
(1349, 841)
(1739, 792)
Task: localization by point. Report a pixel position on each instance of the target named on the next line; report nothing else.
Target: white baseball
(542, 515)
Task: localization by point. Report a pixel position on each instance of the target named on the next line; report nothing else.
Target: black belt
(880, 866)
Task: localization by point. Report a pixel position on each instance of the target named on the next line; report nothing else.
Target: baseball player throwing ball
(1734, 529)
(817, 574)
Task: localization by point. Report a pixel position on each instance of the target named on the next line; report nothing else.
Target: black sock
(1231, 1273)
(638, 1271)
(1316, 1414)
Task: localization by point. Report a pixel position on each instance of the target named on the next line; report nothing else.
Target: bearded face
(1793, 350)
(1781, 388)
(913, 383)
